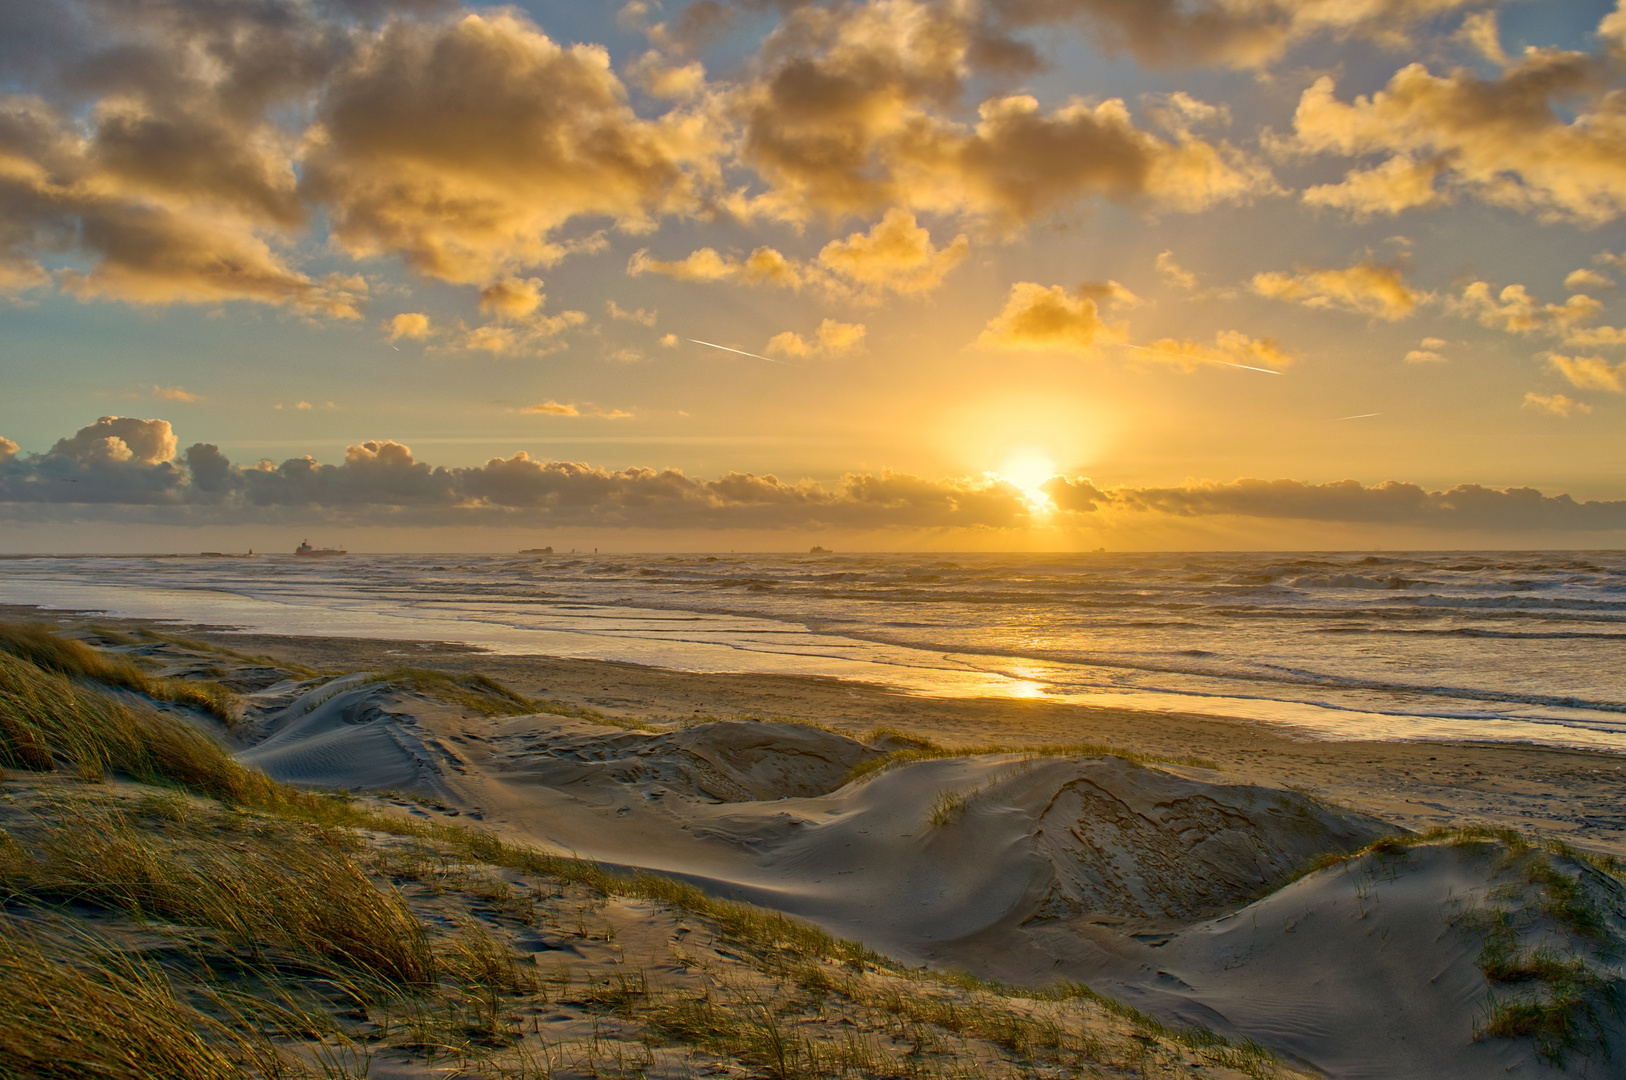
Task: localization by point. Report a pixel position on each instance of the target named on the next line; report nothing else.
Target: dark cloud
(1466, 506)
(132, 463)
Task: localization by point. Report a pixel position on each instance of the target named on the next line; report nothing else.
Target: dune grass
(259, 884)
(76, 660)
(925, 750)
(74, 1008)
(477, 693)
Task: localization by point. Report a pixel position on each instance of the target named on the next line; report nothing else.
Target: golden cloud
(175, 393)
(847, 117)
(560, 408)
(1555, 404)
(1368, 287)
(1234, 33)
(1583, 279)
(1514, 310)
(512, 298)
(462, 147)
(1172, 272)
(408, 324)
(1231, 348)
(764, 266)
(834, 339)
(639, 316)
(1500, 139)
(1590, 372)
(1040, 317)
(897, 255)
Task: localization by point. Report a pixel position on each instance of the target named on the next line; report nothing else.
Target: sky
(762, 274)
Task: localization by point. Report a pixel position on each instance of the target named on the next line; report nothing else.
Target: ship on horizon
(305, 548)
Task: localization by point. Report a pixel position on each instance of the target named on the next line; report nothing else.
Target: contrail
(742, 352)
(1358, 416)
(1194, 356)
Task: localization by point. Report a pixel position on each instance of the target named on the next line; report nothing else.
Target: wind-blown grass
(477, 693)
(76, 660)
(257, 886)
(930, 751)
(72, 1008)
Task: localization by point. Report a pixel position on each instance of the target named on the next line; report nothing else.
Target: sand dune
(1170, 887)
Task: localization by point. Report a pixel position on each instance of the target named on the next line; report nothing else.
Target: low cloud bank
(1466, 506)
(123, 462)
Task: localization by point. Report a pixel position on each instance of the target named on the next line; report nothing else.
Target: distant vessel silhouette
(816, 550)
(536, 551)
(305, 548)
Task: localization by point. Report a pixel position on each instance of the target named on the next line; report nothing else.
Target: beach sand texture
(1180, 876)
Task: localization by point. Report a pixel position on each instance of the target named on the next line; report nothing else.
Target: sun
(1027, 469)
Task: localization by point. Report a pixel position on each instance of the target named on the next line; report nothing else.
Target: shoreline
(1567, 794)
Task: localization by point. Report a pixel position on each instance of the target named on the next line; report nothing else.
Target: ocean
(1456, 645)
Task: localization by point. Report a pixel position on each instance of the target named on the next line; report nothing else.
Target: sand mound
(729, 761)
(1142, 842)
(1424, 963)
(351, 732)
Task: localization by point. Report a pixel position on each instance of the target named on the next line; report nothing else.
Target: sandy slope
(1140, 880)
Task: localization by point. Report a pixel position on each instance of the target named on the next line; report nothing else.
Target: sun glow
(1027, 469)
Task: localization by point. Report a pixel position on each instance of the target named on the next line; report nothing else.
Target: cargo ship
(305, 548)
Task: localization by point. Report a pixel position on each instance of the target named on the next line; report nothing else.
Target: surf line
(742, 352)
(1194, 356)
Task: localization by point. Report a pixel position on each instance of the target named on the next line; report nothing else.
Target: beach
(1277, 885)
(1570, 794)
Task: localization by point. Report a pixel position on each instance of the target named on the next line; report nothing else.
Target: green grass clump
(930, 751)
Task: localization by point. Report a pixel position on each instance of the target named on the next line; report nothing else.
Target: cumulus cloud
(1547, 135)
(1466, 506)
(849, 115)
(413, 325)
(1554, 404)
(172, 187)
(1593, 337)
(895, 256)
(1590, 372)
(639, 315)
(1370, 288)
(8, 449)
(1427, 352)
(1233, 33)
(462, 147)
(834, 339)
(535, 335)
(1584, 278)
(764, 266)
(512, 298)
(1515, 311)
(1049, 317)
